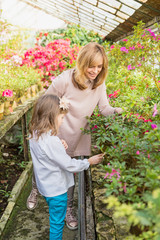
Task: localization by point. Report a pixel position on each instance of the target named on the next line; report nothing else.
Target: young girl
(53, 167)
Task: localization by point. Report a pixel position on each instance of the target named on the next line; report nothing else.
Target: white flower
(64, 103)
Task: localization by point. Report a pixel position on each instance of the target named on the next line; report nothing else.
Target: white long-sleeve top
(53, 167)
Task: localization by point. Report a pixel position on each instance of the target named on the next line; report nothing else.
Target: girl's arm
(54, 150)
(104, 106)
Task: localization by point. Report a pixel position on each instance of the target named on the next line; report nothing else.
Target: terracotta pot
(7, 108)
(40, 85)
(22, 99)
(34, 90)
(1, 111)
(28, 93)
(14, 105)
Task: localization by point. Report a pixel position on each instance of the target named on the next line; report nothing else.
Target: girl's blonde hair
(44, 117)
(88, 56)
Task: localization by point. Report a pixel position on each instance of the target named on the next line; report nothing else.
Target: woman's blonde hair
(88, 56)
(44, 117)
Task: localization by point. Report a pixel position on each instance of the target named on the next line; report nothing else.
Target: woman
(85, 89)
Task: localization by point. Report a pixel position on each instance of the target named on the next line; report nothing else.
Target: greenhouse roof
(110, 18)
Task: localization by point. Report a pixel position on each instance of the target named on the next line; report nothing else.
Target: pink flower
(125, 40)
(110, 175)
(7, 93)
(142, 98)
(150, 31)
(124, 188)
(145, 131)
(129, 67)
(132, 48)
(155, 110)
(124, 49)
(116, 174)
(138, 152)
(112, 46)
(148, 155)
(153, 126)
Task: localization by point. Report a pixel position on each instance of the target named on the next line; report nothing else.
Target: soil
(11, 166)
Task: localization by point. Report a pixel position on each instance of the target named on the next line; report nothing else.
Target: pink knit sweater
(82, 104)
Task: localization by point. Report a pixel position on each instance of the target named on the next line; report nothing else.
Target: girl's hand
(64, 144)
(96, 159)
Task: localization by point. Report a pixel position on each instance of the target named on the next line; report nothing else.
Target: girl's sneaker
(32, 200)
(71, 220)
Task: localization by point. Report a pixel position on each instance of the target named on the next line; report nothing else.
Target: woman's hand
(118, 110)
(64, 144)
(96, 159)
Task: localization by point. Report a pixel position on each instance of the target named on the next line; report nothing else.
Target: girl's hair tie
(64, 103)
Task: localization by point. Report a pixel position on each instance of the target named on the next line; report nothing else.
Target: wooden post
(24, 133)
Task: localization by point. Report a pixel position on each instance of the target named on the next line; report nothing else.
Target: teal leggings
(57, 212)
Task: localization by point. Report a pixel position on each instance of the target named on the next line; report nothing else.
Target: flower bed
(51, 60)
(131, 141)
(22, 76)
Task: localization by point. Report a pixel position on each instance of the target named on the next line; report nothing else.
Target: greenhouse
(80, 119)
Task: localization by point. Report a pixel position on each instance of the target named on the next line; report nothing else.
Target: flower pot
(22, 99)
(40, 85)
(28, 93)
(14, 105)
(7, 108)
(34, 90)
(1, 111)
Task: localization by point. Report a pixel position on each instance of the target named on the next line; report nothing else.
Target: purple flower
(153, 126)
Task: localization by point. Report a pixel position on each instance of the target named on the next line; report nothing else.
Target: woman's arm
(104, 106)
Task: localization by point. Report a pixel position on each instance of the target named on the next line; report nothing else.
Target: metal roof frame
(111, 18)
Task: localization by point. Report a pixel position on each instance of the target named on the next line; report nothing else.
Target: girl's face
(60, 119)
(93, 71)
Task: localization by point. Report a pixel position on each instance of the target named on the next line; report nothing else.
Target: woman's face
(93, 71)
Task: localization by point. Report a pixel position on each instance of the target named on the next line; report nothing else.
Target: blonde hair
(87, 57)
(44, 117)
